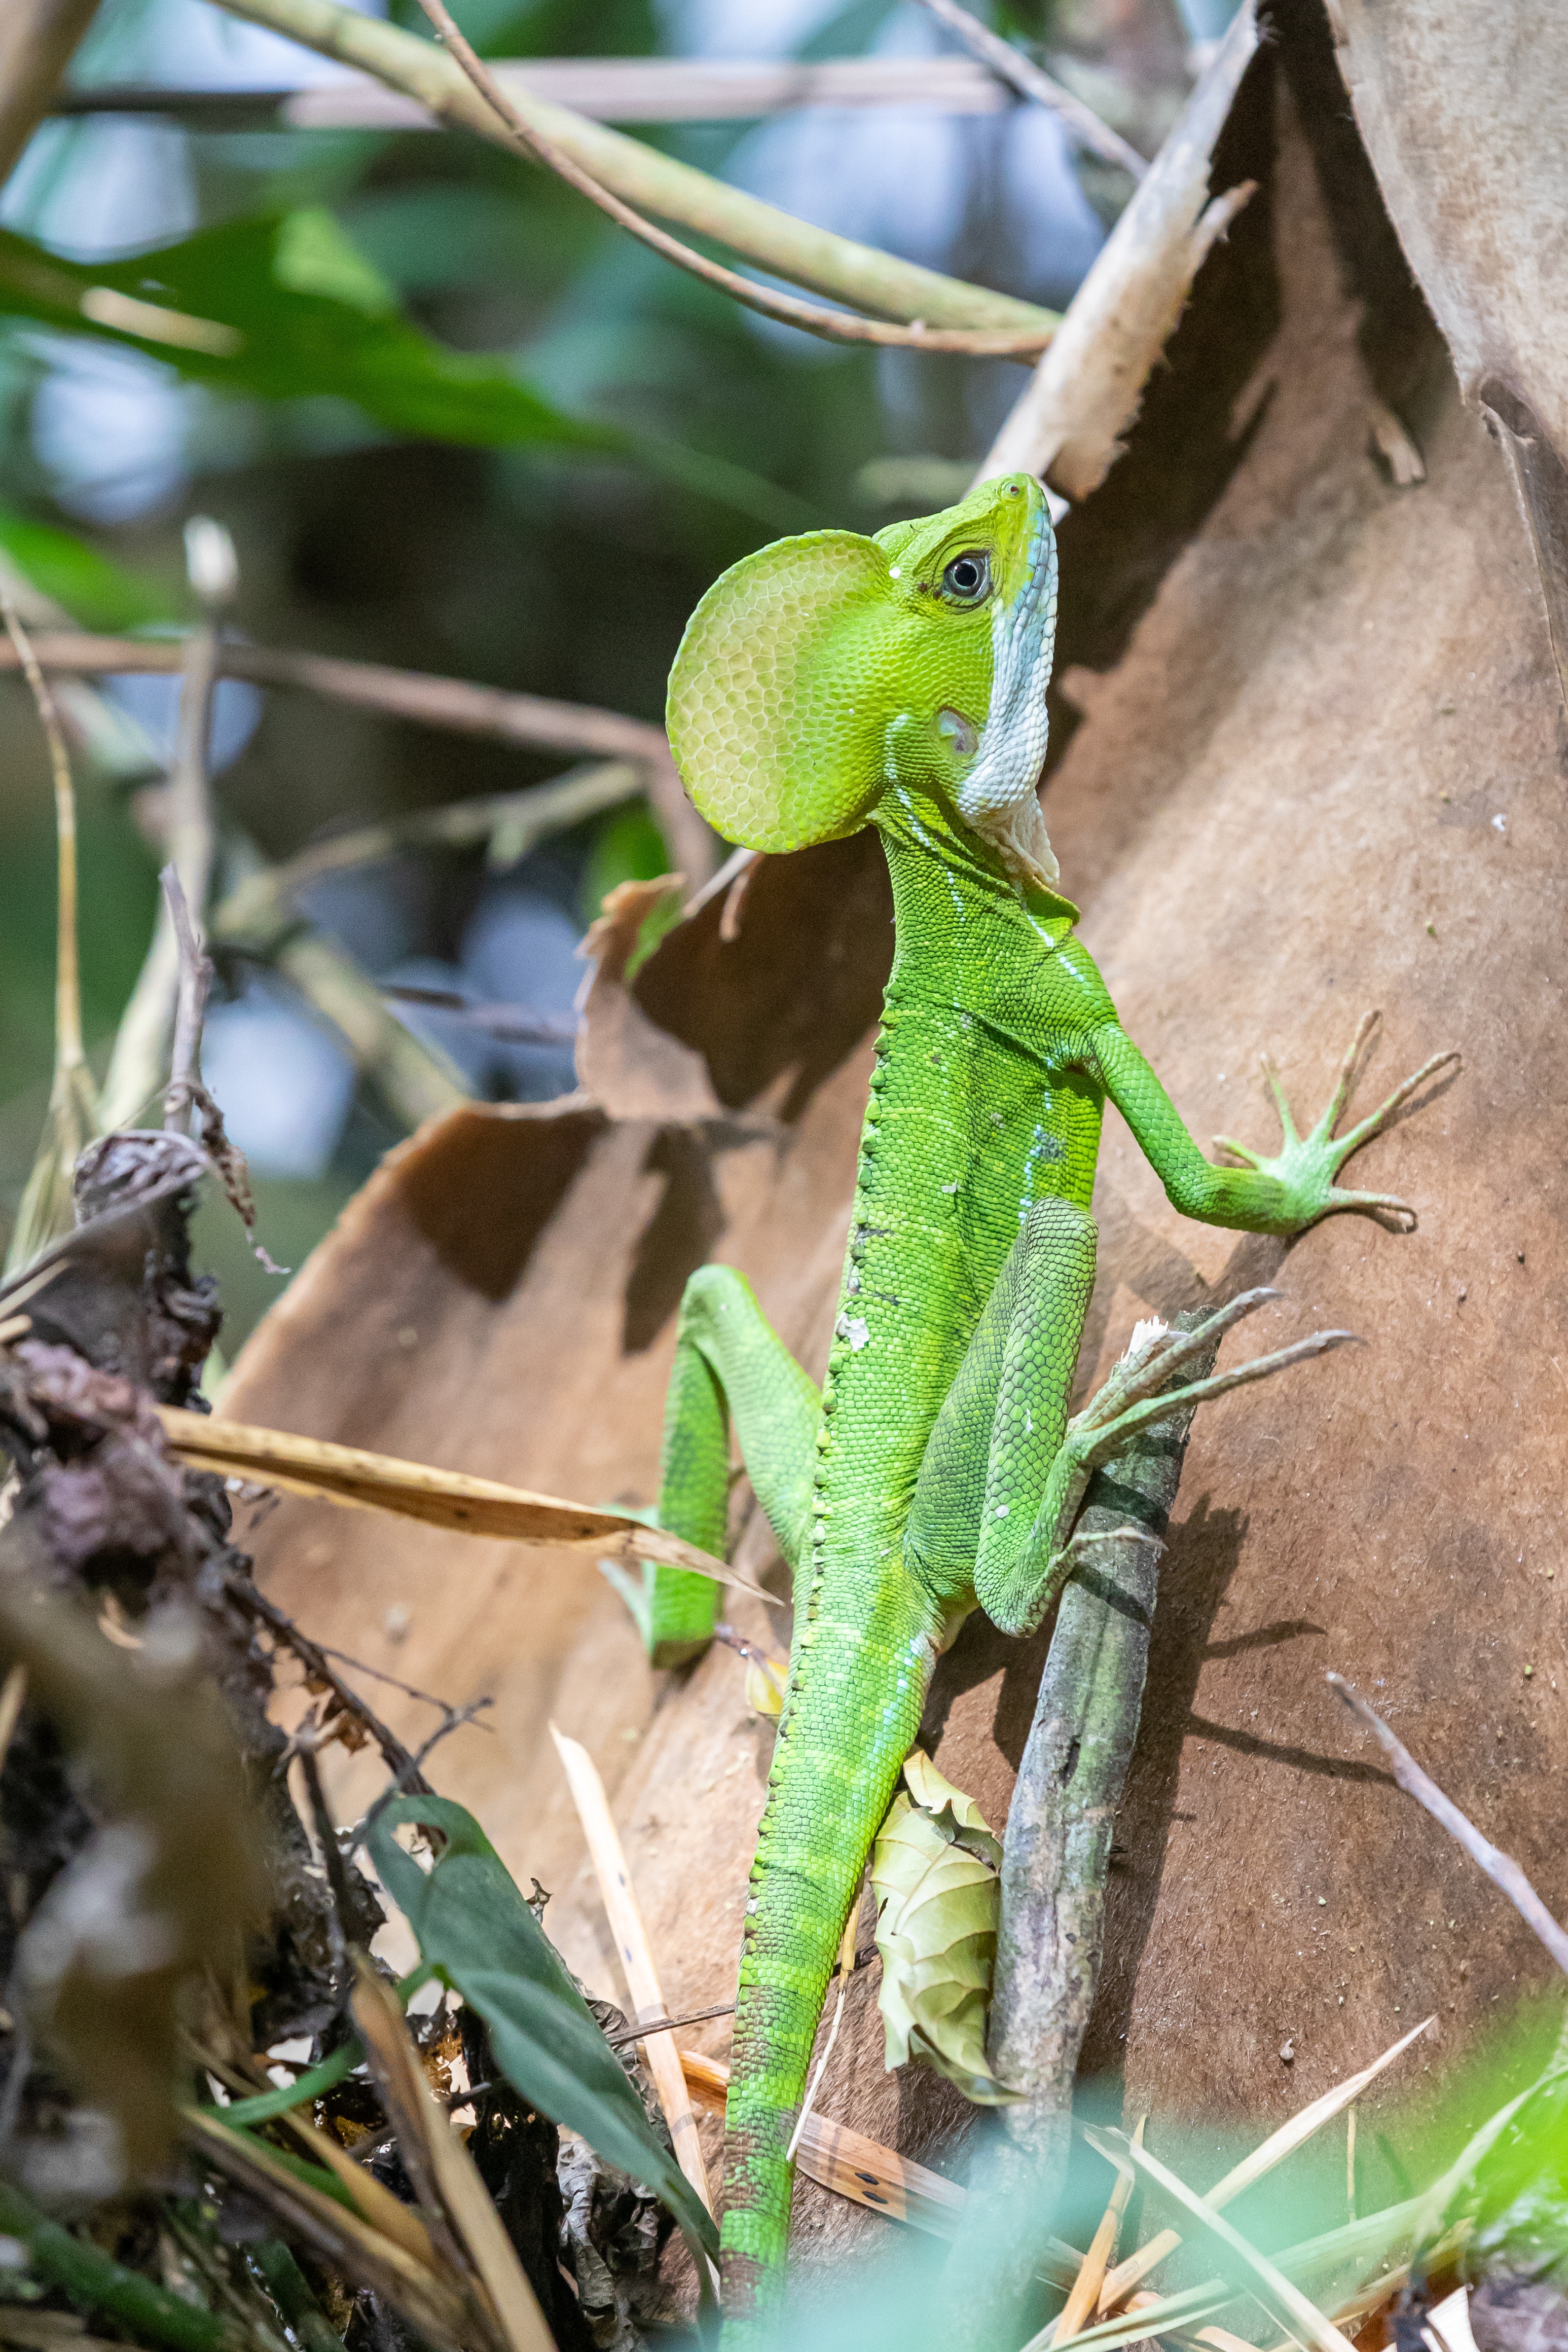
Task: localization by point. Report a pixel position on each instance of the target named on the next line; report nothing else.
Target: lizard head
(824, 673)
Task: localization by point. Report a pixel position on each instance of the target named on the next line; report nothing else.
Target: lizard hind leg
(991, 1449)
(729, 1363)
(1018, 1577)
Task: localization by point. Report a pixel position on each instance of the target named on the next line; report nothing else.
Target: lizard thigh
(990, 1450)
(730, 1365)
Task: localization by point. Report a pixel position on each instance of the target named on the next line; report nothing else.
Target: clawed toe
(1385, 1201)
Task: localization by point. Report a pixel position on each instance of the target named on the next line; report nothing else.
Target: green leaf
(935, 1873)
(283, 306)
(476, 1928)
(97, 592)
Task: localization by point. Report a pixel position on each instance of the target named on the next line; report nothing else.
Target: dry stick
(73, 1116)
(1056, 1852)
(194, 980)
(416, 1082)
(1087, 388)
(447, 702)
(1500, 1867)
(834, 326)
(429, 701)
(1010, 65)
(259, 907)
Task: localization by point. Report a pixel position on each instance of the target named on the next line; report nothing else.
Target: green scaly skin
(823, 684)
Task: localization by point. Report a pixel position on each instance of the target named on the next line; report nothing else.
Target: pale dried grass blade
(1295, 2311)
(866, 2173)
(636, 1955)
(424, 2296)
(1269, 2152)
(442, 1498)
(373, 2200)
(433, 2150)
(1085, 2293)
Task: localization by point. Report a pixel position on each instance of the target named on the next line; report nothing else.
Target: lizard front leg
(729, 1362)
(1282, 1194)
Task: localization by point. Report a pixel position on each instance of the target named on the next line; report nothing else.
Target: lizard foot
(1137, 1395)
(1307, 1164)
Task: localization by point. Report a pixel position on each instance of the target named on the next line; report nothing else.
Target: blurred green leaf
(627, 848)
(476, 1928)
(284, 306)
(99, 593)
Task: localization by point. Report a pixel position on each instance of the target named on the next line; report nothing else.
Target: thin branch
(1031, 81)
(668, 2024)
(834, 326)
(303, 1746)
(759, 233)
(317, 1664)
(195, 980)
(1500, 1867)
(509, 823)
(429, 701)
(506, 1023)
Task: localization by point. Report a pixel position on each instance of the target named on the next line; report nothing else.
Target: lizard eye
(967, 578)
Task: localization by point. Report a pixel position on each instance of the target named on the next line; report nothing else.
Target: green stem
(290, 2288)
(640, 175)
(92, 2277)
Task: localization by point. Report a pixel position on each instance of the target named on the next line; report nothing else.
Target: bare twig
(319, 1668)
(1032, 81)
(72, 1119)
(303, 1746)
(1086, 390)
(429, 701)
(834, 326)
(257, 907)
(1500, 1867)
(506, 1023)
(445, 702)
(667, 2024)
(1057, 1844)
(136, 1065)
(195, 980)
(653, 182)
(185, 1098)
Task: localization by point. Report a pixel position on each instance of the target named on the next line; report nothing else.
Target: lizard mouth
(997, 796)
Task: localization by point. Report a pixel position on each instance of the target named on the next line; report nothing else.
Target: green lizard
(823, 684)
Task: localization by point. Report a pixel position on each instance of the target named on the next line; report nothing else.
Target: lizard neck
(965, 929)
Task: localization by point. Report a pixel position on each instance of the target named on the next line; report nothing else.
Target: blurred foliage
(283, 306)
(99, 593)
(473, 429)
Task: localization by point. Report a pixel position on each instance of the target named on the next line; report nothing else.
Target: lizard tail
(852, 1715)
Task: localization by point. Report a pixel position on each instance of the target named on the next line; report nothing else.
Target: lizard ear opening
(774, 713)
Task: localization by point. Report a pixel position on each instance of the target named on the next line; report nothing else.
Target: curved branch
(772, 240)
(834, 326)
